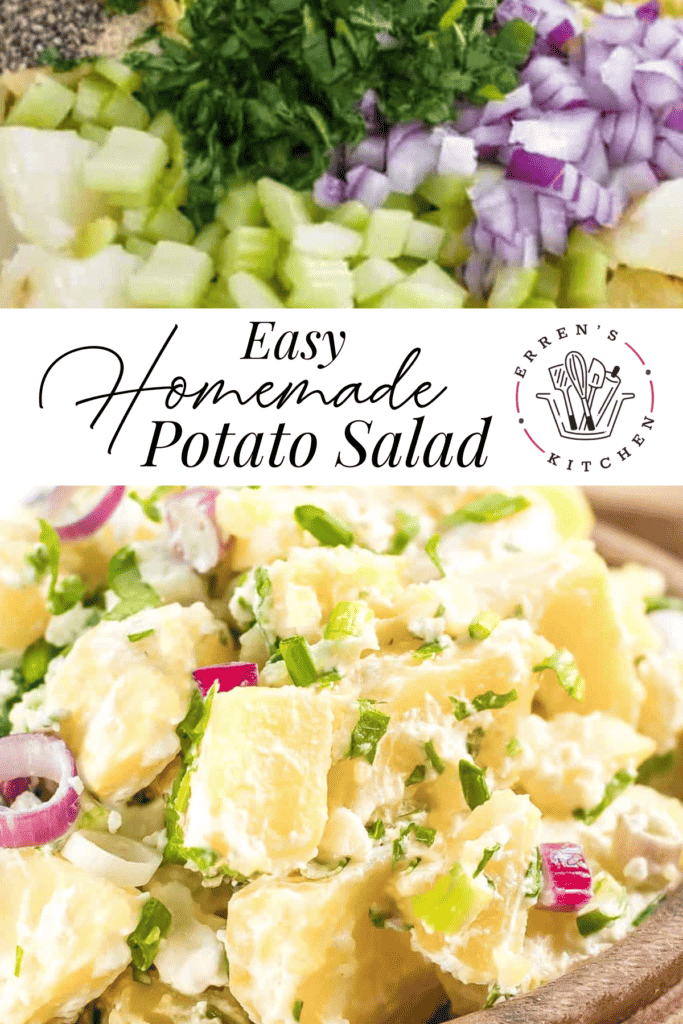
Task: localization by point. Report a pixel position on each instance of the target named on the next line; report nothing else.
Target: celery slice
(138, 247)
(411, 294)
(548, 281)
(538, 302)
(45, 104)
(171, 190)
(386, 233)
(372, 277)
(217, 296)
(170, 225)
(94, 133)
(401, 201)
(512, 287)
(174, 277)
(432, 275)
(93, 237)
(424, 240)
(351, 215)
(453, 901)
(327, 241)
(123, 109)
(250, 292)
(134, 222)
(254, 250)
(241, 208)
(128, 165)
(163, 126)
(209, 238)
(91, 97)
(118, 73)
(445, 189)
(455, 250)
(284, 208)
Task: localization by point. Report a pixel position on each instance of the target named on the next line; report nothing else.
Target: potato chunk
(259, 794)
(71, 928)
(119, 701)
(313, 941)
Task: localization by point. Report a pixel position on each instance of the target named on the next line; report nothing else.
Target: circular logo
(584, 397)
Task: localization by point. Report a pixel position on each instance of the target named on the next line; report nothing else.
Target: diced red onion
(667, 159)
(517, 100)
(228, 677)
(367, 186)
(9, 791)
(643, 141)
(191, 518)
(457, 156)
(61, 502)
(617, 74)
(369, 109)
(566, 136)
(552, 215)
(411, 161)
(658, 82)
(534, 169)
(635, 180)
(399, 133)
(660, 36)
(566, 878)
(371, 152)
(45, 757)
(616, 30)
(329, 191)
(674, 118)
(648, 11)
(561, 33)
(594, 163)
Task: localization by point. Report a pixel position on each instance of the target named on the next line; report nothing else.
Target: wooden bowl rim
(639, 980)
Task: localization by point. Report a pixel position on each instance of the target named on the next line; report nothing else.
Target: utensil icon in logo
(584, 388)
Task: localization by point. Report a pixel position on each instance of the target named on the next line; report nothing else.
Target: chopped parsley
(150, 504)
(298, 660)
(378, 917)
(127, 583)
(616, 785)
(663, 604)
(134, 637)
(407, 529)
(647, 911)
(153, 926)
(62, 595)
(487, 855)
(51, 57)
(461, 708)
(376, 829)
(483, 625)
(422, 834)
(329, 531)
(655, 765)
(417, 775)
(533, 877)
(474, 740)
(513, 748)
(563, 665)
(434, 759)
(474, 785)
(429, 650)
(271, 88)
(368, 731)
(296, 1010)
(432, 550)
(18, 957)
(490, 701)
(490, 508)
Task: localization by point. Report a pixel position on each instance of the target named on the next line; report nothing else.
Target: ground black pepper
(29, 26)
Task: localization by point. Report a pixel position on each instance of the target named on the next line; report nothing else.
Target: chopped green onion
(153, 926)
(646, 911)
(429, 650)
(483, 625)
(376, 829)
(656, 764)
(432, 550)
(297, 657)
(422, 834)
(450, 901)
(434, 759)
(329, 678)
(18, 957)
(663, 604)
(407, 529)
(378, 917)
(490, 508)
(417, 775)
(348, 618)
(533, 877)
(563, 665)
(474, 740)
(326, 528)
(614, 788)
(35, 660)
(461, 708)
(263, 583)
(490, 701)
(608, 904)
(134, 637)
(368, 731)
(296, 1010)
(488, 854)
(474, 786)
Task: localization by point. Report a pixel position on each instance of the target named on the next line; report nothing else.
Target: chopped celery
(407, 264)
(217, 296)
(327, 241)
(351, 215)
(252, 249)
(548, 281)
(45, 104)
(91, 96)
(430, 274)
(123, 109)
(445, 189)
(284, 208)
(127, 165)
(134, 222)
(512, 286)
(312, 209)
(400, 201)
(455, 250)
(170, 225)
(171, 189)
(174, 277)
(138, 247)
(163, 127)
(386, 233)
(118, 73)
(327, 284)
(209, 238)
(538, 302)
(250, 292)
(411, 294)
(241, 208)
(454, 900)
(93, 237)
(584, 277)
(372, 277)
(424, 240)
(94, 133)
(452, 218)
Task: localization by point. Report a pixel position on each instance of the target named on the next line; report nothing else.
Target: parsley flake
(407, 529)
(432, 550)
(434, 759)
(368, 731)
(616, 785)
(127, 583)
(296, 1010)
(490, 508)
(563, 665)
(153, 926)
(474, 785)
(417, 775)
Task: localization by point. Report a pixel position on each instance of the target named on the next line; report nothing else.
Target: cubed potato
(661, 715)
(259, 793)
(129, 1002)
(119, 701)
(568, 761)
(489, 947)
(630, 585)
(313, 941)
(573, 515)
(71, 928)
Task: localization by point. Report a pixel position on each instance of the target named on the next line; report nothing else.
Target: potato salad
(324, 756)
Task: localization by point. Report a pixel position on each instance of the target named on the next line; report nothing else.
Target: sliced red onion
(367, 186)
(93, 520)
(228, 677)
(9, 791)
(658, 82)
(191, 518)
(371, 152)
(45, 757)
(329, 191)
(535, 169)
(457, 155)
(566, 136)
(552, 215)
(411, 161)
(561, 33)
(565, 878)
(648, 11)
(660, 36)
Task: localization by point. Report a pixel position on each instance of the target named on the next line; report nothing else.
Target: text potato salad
(315, 755)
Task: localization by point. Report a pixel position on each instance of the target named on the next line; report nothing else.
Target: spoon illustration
(578, 375)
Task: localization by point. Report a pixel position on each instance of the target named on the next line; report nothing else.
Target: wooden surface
(639, 980)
